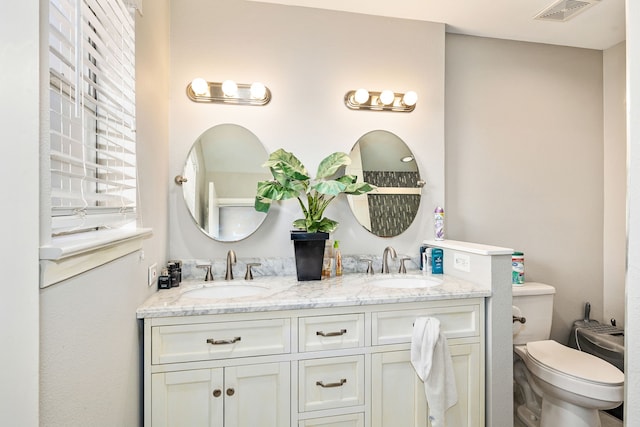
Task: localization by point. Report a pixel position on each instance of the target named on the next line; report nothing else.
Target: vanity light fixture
(386, 100)
(228, 92)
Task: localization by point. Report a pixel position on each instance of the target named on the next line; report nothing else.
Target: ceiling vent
(564, 10)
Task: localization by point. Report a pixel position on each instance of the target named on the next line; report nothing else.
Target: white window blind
(92, 151)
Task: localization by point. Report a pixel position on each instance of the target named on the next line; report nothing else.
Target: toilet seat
(574, 371)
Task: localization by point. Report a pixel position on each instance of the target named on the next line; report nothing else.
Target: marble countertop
(286, 293)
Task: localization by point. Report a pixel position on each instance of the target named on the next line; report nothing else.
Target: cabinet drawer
(394, 327)
(206, 341)
(331, 332)
(335, 382)
(349, 420)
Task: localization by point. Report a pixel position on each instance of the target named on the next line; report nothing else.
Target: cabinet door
(257, 395)
(187, 398)
(398, 397)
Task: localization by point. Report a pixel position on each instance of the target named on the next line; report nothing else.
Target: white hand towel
(431, 359)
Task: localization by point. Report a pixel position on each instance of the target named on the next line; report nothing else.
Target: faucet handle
(369, 265)
(248, 275)
(402, 268)
(208, 276)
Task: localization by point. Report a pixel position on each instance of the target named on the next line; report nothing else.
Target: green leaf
(274, 191)
(300, 224)
(330, 164)
(262, 204)
(359, 188)
(327, 225)
(283, 162)
(331, 188)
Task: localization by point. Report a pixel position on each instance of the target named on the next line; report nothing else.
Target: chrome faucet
(231, 260)
(385, 254)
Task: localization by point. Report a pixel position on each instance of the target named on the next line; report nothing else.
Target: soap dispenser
(338, 257)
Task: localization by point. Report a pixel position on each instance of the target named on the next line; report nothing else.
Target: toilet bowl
(559, 386)
(573, 385)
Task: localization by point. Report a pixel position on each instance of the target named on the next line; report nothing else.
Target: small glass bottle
(338, 257)
(327, 262)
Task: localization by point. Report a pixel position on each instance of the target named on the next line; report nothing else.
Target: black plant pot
(309, 250)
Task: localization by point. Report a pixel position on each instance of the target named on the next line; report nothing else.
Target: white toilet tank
(534, 302)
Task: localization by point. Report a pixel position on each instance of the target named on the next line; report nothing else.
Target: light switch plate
(461, 262)
(153, 274)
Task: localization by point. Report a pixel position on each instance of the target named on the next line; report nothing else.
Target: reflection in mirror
(383, 159)
(221, 172)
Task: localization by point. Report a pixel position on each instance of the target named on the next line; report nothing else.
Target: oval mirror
(383, 159)
(221, 172)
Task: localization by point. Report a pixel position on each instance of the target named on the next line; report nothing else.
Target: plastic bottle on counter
(437, 261)
(438, 223)
(517, 265)
(338, 258)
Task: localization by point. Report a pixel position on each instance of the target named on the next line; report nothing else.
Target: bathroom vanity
(333, 353)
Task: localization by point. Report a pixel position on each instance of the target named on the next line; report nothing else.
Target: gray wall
(524, 161)
(615, 183)
(90, 373)
(309, 58)
(632, 309)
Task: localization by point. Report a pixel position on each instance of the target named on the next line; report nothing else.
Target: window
(88, 185)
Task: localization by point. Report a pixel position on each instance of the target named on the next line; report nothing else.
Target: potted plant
(291, 180)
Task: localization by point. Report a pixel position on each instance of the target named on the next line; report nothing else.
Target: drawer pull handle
(220, 342)
(217, 392)
(340, 384)
(332, 334)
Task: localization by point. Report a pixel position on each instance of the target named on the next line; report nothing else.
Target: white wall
(524, 169)
(90, 355)
(632, 309)
(309, 59)
(19, 172)
(615, 184)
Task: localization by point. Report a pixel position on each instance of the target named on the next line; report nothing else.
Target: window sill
(68, 256)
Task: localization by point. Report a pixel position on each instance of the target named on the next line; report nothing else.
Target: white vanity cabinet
(247, 395)
(345, 366)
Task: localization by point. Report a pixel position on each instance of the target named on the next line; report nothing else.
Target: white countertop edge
(204, 309)
(288, 294)
(474, 248)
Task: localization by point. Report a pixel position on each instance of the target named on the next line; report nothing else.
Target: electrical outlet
(153, 274)
(461, 262)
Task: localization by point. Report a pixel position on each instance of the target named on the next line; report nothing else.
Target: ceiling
(598, 27)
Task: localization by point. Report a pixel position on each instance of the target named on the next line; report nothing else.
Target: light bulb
(410, 98)
(229, 88)
(199, 86)
(387, 97)
(258, 90)
(361, 96)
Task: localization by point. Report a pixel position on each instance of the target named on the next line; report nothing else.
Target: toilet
(555, 385)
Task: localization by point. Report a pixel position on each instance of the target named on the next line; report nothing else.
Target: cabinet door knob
(329, 385)
(217, 392)
(331, 334)
(230, 392)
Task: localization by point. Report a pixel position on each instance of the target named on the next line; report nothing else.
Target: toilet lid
(575, 363)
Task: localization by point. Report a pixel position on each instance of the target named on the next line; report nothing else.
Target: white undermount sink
(406, 282)
(223, 291)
